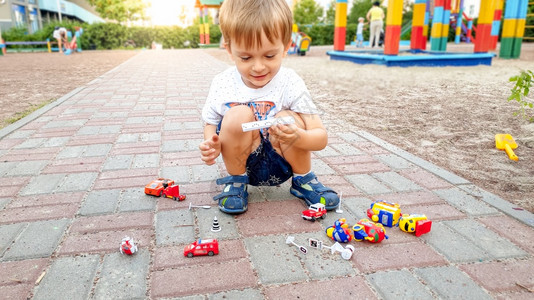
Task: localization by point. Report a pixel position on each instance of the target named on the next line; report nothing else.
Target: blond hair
(244, 21)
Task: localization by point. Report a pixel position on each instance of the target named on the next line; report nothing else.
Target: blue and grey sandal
(312, 191)
(234, 197)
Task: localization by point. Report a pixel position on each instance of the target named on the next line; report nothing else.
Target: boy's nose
(258, 66)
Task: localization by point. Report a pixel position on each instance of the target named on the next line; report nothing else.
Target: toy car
(164, 187)
(315, 211)
(369, 231)
(415, 223)
(385, 213)
(208, 247)
(128, 246)
(340, 232)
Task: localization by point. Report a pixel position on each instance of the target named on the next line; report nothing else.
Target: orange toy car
(164, 187)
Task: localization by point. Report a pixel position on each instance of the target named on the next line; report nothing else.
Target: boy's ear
(228, 49)
(286, 48)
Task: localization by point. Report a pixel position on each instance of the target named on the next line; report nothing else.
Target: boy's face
(258, 66)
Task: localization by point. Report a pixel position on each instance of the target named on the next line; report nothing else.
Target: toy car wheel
(322, 216)
(189, 254)
(210, 253)
(313, 219)
(304, 218)
(160, 193)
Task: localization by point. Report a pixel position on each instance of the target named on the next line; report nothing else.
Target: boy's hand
(210, 150)
(286, 134)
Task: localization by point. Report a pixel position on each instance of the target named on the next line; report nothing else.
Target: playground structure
(300, 42)
(485, 39)
(49, 45)
(204, 26)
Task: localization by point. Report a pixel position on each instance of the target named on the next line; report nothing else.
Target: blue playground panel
(413, 58)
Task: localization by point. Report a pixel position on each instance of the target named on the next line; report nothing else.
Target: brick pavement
(71, 188)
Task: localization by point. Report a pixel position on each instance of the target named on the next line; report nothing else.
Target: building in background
(33, 14)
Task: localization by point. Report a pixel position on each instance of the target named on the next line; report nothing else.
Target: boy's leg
(306, 187)
(236, 147)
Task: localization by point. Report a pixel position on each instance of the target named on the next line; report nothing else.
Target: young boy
(257, 35)
(359, 32)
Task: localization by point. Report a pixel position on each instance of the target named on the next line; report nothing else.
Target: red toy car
(202, 247)
(314, 212)
(164, 187)
(128, 246)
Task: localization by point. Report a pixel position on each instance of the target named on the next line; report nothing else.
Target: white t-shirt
(359, 29)
(286, 91)
(57, 32)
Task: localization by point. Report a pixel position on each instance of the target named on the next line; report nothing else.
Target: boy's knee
(298, 120)
(236, 116)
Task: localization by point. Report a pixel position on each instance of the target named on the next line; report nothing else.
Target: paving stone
(249, 294)
(283, 264)
(27, 168)
(123, 276)
(517, 232)
(136, 200)
(180, 145)
(410, 198)
(346, 149)
(68, 278)
(4, 202)
(107, 241)
(508, 208)
(338, 288)
(398, 285)
(118, 222)
(397, 182)
(367, 184)
(100, 202)
(489, 241)
(321, 168)
(6, 166)
(498, 276)
(145, 160)
(36, 213)
(214, 278)
(118, 162)
(180, 174)
(425, 179)
(77, 182)
(205, 219)
(174, 227)
(56, 142)
(455, 247)
(327, 151)
(407, 255)
(31, 143)
(351, 137)
(465, 202)
(451, 283)
(394, 161)
(357, 206)
(24, 271)
(39, 239)
(204, 173)
(8, 233)
(43, 184)
(321, 264)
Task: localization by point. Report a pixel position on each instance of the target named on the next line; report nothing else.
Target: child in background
(60, 34)
(257, 35)
(359, 32)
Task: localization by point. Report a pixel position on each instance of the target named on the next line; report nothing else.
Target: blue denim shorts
(265, 167)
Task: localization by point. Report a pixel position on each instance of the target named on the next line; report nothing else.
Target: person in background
(359, 32)
(375, 16)
(60, 34)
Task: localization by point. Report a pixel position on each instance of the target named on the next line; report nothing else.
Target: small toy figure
(208, 247)
(315, 211)
(369, 231)
(164, 187)
(128, 246)
(346, 253)
(291, 241)
(385, 213)
(215, 226)
(340, 231)
(415, 223)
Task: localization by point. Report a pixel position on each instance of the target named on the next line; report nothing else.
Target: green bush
(520, 92)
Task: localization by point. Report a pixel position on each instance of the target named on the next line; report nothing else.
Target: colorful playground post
(393, 27)
(515, 14)
(440, 25)
(418, 40)
(206, 26)
(340, 23)
(496, 26)
(485, 22)
(458, 9)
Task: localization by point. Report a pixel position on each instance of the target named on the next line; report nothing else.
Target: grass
(22, 114)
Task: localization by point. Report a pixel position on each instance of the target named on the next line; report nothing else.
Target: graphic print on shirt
(261, 109)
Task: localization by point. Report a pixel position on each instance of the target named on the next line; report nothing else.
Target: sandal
(234, 198)
(312, 191)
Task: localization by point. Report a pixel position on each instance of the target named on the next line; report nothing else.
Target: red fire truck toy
(314, 212)
(164, 187)
(369, 231)
(208, 247)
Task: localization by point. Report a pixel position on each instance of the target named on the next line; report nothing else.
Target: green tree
(307, 12)
(359, 9)
(331, 13)
(120, 10)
